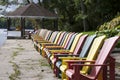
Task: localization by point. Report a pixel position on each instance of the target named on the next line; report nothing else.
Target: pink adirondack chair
(102, 64)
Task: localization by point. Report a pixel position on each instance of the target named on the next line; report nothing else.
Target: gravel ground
(20, 61)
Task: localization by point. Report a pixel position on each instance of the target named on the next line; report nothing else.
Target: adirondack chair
(80, 51)
(41, 40)
(93, 52)
(63, 38)
(56, 43)
(66, 46)
(72, 46)
(52, 39)
(68, 39)
(36, 34)
(104, 63)
(40, 35)
(54, 35)
(48, 34)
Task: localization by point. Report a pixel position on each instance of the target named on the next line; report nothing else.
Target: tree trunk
(39, 2)
(85, 21)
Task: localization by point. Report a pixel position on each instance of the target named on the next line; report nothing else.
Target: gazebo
(31, 10)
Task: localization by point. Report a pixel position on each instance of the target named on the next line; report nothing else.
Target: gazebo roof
(32, 10)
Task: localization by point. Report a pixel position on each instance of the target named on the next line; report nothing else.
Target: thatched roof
(32, 10)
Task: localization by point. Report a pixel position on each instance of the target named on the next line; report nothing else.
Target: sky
(13, 7)
(21, 1)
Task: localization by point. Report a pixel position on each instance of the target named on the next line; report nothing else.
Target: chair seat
(58, 63)
(69, 72)
(48, 55)
(53, 60)
(51, 57)
(63, 68)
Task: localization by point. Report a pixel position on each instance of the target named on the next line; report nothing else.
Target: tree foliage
(80, 15)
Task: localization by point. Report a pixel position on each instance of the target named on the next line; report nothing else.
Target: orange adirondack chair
(102, 64)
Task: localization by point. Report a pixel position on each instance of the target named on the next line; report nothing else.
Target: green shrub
(110, 28)
(114, 23)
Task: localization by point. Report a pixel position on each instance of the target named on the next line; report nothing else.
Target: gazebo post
(8, 23)
(22, 27)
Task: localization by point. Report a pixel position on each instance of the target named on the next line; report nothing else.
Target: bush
(113, 24)
(110, 28)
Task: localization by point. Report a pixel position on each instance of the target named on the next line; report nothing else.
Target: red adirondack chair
(102, 64)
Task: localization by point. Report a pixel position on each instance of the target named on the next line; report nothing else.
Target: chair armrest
(54, 46)
(69, 61)
(59, 51)
(71, 58)
(72, 62)
(75, 64)
(46, 44)
(78, 66)
(42, 41)
(65, 55)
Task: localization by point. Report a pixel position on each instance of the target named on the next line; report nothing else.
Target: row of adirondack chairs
(77, 56)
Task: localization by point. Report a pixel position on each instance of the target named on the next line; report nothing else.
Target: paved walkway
(20, 61)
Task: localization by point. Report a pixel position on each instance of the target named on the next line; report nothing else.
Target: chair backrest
(80, 44)
(105, 51)
(87, 45)
(68, 45)
(63, 39)
(93, 52)
(75, 41)
(67, 39)
(52, 38)
(57, 37)
(43, 33)
(47, 34)
(38, 31)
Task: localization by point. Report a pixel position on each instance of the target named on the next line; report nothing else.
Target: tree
(28, 1)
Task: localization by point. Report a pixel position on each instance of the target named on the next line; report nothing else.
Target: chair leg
(56, 71)
(100, 76)
(104, 73)
(112, 68)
